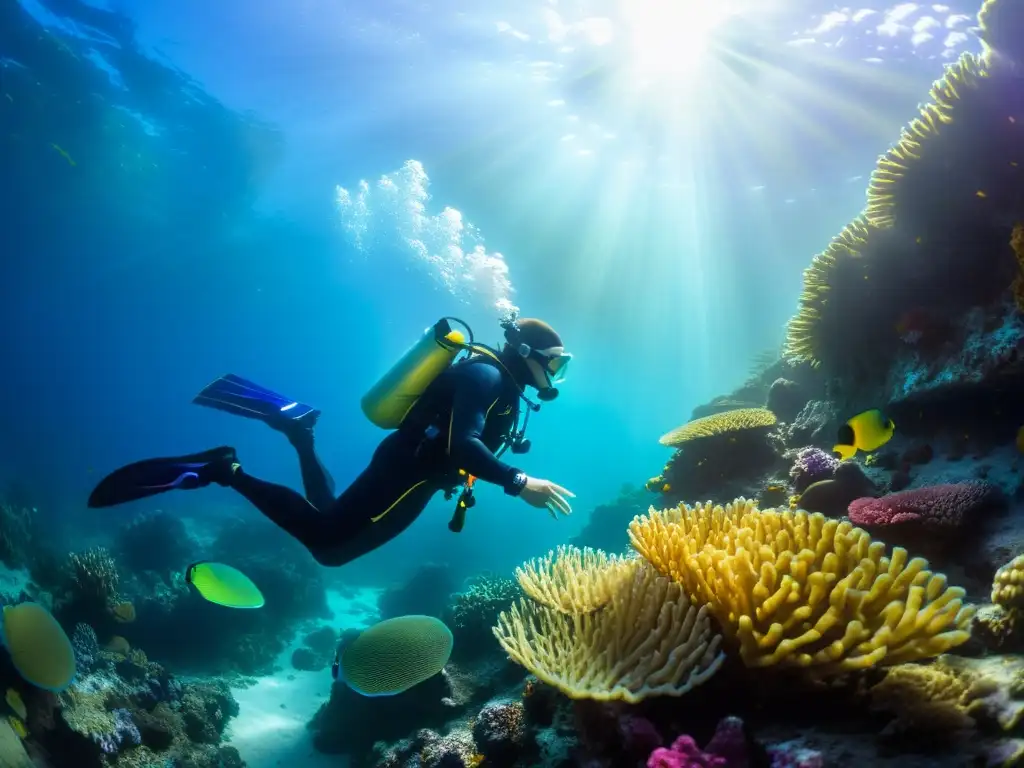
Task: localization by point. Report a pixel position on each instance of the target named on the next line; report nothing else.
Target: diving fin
(241, 397)
(153, 476)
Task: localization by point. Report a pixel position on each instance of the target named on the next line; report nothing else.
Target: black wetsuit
(460, 422)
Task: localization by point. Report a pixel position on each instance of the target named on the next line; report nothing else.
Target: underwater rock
(786, 399)
(317, 651)
(155, 542)
(429, 749)
(425, 593)
(500, 731)
(833, 497)
(816, 424)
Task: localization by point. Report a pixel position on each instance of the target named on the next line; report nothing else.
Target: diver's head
(540, 352)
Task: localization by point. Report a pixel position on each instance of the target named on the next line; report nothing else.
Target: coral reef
(811, 465)
(472, 612)
(647, 640)
(795, 588)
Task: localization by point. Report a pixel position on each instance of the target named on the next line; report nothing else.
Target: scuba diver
(452, 420)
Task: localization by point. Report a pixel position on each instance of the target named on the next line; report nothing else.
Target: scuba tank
(391, 398)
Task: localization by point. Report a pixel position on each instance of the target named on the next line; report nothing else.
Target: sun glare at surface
(669, 39)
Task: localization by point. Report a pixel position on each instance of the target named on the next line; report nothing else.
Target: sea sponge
(739, 420)
(797, 589)
(574, 580)
(39, 647)
(396, 654)
(893, 165)
(1008, 585)
(803, 342)
(649, 640)
(945, 507)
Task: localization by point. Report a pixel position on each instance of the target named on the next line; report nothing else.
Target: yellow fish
(1020, 439)
(866, 431)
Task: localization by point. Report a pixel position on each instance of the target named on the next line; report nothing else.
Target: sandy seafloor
(270, 729)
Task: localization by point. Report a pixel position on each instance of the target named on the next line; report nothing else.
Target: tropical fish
(39, 647)
(221, 584)
(867, 431)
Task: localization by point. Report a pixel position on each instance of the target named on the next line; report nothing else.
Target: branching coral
(727, 422)
(574, 580)
(649, 640)
(95, 577)
(797, 589)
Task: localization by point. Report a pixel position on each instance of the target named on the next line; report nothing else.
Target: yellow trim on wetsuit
(451, 420)
(397, 501)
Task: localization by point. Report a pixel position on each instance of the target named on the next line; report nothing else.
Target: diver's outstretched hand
(543, 494)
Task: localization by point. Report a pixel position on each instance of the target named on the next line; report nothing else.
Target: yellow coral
(1008, 584)
(716, 424)
(798, 589)
(649, 640)
(574, 580)
(930, 699)
(893, 165)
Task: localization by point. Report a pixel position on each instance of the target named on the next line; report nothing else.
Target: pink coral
(727, 749)
(945, 506)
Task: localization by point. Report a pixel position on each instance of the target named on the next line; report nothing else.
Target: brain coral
(797, 589)
(739, 420)
(396, 654)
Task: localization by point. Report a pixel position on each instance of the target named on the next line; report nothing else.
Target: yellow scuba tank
(389, 400)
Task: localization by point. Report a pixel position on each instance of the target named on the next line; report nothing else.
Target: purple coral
(811, 465)
(727, 749)
(124, 730)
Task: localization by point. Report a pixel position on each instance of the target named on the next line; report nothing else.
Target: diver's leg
(285, 507)
(316, 480)
(398, 498)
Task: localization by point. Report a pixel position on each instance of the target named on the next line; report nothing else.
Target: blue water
(170, 173)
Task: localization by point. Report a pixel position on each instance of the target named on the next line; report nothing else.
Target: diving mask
(553, 362)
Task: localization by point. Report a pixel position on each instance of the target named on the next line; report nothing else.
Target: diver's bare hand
(543, 494)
